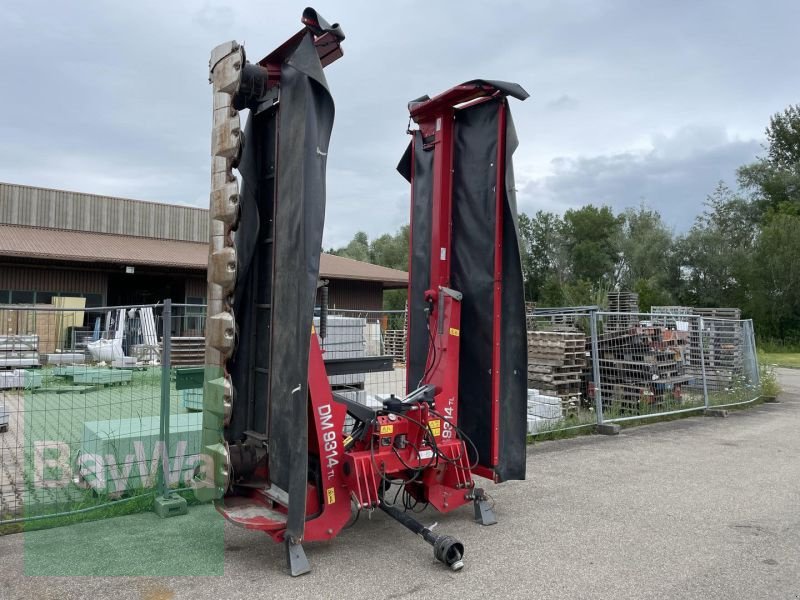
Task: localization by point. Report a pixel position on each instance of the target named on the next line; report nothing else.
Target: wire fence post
(166, 504)
(754, 354)
(598, 398)
(163, 438)
(703, 360)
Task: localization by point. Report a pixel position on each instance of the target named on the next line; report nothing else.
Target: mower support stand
(296, 559)
(484, 514)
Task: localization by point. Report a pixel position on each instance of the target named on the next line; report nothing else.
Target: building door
(143, 288)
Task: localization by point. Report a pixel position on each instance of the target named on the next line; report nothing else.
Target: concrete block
(20, 378)
(125, 454)
(192, 399)
(537, 424)
(64, 358)
(544, 410)
(102, 377)
(124, 362)
(170, 506)
(608, 429)
(716, 412)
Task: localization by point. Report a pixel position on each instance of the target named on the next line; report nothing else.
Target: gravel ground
(696, 508)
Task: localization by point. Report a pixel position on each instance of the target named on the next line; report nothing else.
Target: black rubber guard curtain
(472, 273)
(283, 174)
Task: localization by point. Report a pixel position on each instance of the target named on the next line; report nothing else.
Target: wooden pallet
(188, 351)
(394, 344)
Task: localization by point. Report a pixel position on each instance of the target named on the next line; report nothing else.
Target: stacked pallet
(626, 303)
(19, 351)
(567, 322)
(556, 361)
(394, 344)
(719, 313)
(642, 366)
(188, 351)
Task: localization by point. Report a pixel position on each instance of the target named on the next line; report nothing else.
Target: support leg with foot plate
(296, 559)
(484, 512)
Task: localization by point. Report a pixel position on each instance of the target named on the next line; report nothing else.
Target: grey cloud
(112, 97)
(563, 102)
(674, 177)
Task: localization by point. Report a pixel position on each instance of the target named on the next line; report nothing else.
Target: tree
(715, 256)
(388, 251)
(647, 262)
(357, 249)
(775, 283)
(592, 237)
(543, 252)
(774, 179)
(391, 250)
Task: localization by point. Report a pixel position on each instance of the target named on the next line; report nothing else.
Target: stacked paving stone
(544, 412)
(556, 362)
(19, 351)
(344, 338)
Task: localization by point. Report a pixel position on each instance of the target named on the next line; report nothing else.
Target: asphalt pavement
(696, 508)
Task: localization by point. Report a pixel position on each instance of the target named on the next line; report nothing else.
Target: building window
(194, 316)
(22, 297)
(5, 296)
(45, 297)
(93, 300)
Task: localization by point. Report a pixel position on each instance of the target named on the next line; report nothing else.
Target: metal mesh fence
(635, 365)
(81, 404)
(648, 364)
(86, 393)
(367, 334)
(559, 364)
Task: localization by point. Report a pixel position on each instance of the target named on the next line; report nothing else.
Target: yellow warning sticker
(386, 429)
(454, 332)
(435, 426)
(331, 495)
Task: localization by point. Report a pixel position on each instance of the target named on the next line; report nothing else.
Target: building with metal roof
(116, 251)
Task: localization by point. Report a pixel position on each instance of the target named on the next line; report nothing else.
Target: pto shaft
(446, 549)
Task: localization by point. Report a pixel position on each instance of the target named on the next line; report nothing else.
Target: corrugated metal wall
(30, 278)
(196, 288)
(355, 295)
(57, 209)
(343, 294)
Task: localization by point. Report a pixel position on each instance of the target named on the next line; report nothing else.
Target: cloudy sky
(631, 101)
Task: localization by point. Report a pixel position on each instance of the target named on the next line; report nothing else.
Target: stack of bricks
(556, 362)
